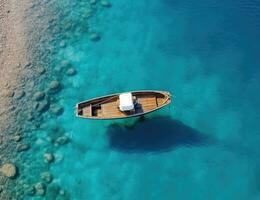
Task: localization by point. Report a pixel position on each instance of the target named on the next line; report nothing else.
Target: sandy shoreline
(13, 55)
(28, 34)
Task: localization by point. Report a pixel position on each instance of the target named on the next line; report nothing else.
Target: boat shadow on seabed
(158, 134)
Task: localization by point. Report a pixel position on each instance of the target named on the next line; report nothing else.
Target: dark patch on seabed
(158, 134)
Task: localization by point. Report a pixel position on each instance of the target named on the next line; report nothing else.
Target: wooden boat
(123, 105)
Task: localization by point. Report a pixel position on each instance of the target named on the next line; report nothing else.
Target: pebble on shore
(9, 170)
(19, 94)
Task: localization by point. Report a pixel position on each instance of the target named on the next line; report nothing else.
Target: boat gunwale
(165, 93)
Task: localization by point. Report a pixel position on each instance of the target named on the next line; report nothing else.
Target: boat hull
(106, 107)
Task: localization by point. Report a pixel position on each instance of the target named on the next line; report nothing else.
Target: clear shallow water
(206, 145)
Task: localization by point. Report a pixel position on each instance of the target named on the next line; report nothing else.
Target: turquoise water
(205, 145)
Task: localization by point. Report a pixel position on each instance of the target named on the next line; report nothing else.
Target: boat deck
(110, 109)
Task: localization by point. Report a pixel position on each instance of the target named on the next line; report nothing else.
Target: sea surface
(205, 145)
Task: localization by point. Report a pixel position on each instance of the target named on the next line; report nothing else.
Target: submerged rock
(41, 70)
(88, 13)
(40, 188)
(105, 3)
(54, 86)
(67, 26)
(46, 177)
(17, 138)
(43, 106)
(57, 110)
(19, 94)
(48, 157)
(38, 96)
(94, 37)
(23, 147)
(9, 170)
(30, 117)
(62, 44)
(62, 140)
(62, 192)
(12, 108)
(71, 72)
(93, 2)
(64, 63)
(28, 189)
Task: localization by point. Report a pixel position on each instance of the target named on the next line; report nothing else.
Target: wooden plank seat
(87, 111)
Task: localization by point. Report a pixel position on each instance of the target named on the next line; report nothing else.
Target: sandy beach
(12, 53)
(13, 56)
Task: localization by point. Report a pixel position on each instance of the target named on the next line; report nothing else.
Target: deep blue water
(206, 144)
